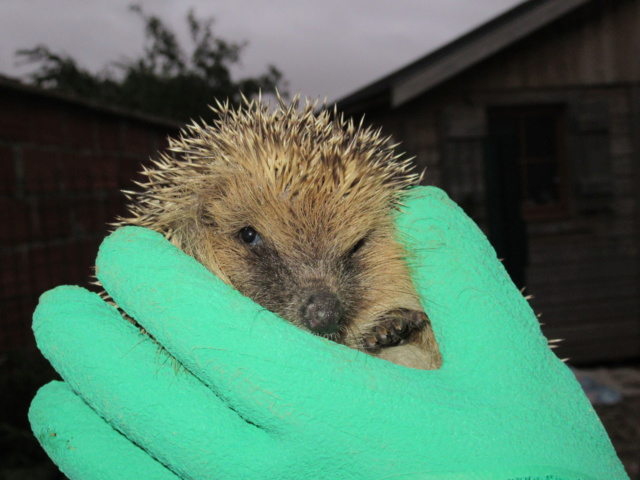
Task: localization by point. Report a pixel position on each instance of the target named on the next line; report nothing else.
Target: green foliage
(166, 80)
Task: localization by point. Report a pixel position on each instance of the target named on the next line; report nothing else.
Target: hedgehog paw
(396, 327)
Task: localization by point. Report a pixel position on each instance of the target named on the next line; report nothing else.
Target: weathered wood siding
(583, 267)
(599, 45)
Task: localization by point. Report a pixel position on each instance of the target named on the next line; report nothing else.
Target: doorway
(525, 178)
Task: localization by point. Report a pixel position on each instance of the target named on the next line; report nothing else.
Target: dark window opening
(535, 135)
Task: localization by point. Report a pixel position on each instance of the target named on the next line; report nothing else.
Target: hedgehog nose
(322, 312)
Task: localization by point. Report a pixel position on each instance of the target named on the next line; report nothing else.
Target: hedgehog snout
(322, 312)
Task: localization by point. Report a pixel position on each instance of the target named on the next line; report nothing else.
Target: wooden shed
(531, 122)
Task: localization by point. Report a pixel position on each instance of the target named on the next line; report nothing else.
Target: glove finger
(466, 291)
(133, 385)
(82, 444)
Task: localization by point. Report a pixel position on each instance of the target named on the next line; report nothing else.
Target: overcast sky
(324, 48)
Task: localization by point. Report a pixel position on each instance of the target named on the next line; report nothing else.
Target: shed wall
(62, 165)
(583, 267)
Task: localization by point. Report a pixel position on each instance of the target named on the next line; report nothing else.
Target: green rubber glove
(260, 399)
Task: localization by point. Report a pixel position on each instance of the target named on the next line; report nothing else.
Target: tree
(166, 80)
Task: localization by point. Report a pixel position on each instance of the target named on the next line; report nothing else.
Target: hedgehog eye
(249, 236)
(357, 246)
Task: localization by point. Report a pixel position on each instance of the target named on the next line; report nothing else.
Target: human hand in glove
(257, 398)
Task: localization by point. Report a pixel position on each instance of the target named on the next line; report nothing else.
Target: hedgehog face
(296, 255)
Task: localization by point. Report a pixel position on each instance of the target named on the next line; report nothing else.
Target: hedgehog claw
(395, 328)
(370, 343)
(399, 325)
(383, 335)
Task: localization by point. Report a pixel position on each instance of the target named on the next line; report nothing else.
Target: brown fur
(320, 192)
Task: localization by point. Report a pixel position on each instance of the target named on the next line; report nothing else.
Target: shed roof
(479, 44)
(14, 86)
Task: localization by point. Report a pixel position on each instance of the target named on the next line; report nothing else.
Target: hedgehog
(295, 209)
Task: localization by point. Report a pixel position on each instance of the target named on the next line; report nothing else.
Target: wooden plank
(561, 314)
(603, 270)
(618, 339)
(551, 299)
(572, 249)
(588, 51)
(613, 329)
(597, 353)
(471, 53)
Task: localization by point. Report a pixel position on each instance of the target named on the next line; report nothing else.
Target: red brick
(109, 134)
(114, 206)
(88, 215)
(86, 252)
(49, 124)
(53, 265)
(15, 324)
(37, 268)
(43, 171)
(53, 219)
(14, 278)
(103, 172)
(15, 117)
(55, 171)
(83, 256)
(129, 170)
(79, 260)
(162, 142)
(15, 221)
(47, 171)
(77, 168)
(81, 129)
(138, 140)
(8, 180)
(74, 171)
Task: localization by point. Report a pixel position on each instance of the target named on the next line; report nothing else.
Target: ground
(615, 395)
(622, 422)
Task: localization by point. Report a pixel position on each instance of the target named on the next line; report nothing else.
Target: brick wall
(63, 163)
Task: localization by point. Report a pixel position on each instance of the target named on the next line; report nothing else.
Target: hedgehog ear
(204, 216)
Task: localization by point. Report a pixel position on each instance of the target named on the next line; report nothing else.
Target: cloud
(326, 48)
